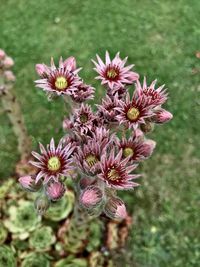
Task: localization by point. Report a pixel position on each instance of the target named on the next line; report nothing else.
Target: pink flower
(162, 116)
(107, 109)
(83, 119)
(61, 80)
(133, 112)
(53, 162)
(82, 93)
(91, 197)
(156, 97)
(88, 157)
(55, 190)
(113, 72)
(115, 173)
(28, 183)
(136, 148)
(115, 209)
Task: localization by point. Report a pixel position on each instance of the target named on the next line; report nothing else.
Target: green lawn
(161, 39)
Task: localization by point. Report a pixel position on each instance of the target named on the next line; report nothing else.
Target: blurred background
(162, 39)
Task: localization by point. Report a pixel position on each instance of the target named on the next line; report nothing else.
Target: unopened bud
(148, 148)
(91, 197)
(55, 190)
(8, 62)
(162, 116)
(115, 209)
(70, 64)
(147, 127)
(28, 183)
(42, 204)
(40, 69)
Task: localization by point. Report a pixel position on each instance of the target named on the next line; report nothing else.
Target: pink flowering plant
(104, 143)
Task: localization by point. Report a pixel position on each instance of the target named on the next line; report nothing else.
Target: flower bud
(85, 182)
(70, 63)
(28, 183)
(91, 197)
(115, 209)
(147, 127)
(148, 148)
(8, 62)
(40, 69)
(55, 190)
(162, 116)
(42, 204)
(2, 54)
(9, 76)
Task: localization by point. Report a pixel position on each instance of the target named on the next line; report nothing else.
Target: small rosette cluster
(102, 145)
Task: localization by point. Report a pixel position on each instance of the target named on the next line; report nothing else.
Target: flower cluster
(101, 149)
(6, 74)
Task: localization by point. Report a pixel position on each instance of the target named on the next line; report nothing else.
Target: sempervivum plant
(102, 147)
(22, 220)
(42, 238)
(34, 259)
(7, 258)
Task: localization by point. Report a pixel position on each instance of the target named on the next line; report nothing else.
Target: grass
(160, 38)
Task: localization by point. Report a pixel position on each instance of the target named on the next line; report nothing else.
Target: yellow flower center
(61, 83)
(128, 151)
(91, 160)
(54, 164)
(133, 114)
(83, 118)
(111, 74)
(113, 175)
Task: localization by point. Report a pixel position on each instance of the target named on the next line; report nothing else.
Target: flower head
(136, 148)
(53, 162)
(82, 93)
(61, 80)
(113, 72)
(132, 112)
(156, 97)
(83, 119)
(107, 109)
(28, 183)
(115, 172)
(88, 158)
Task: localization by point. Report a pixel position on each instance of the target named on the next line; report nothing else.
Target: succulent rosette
(53, 162)
(22, 220)
(34, 259)
(7, 258)
(61, 81)
(42, 239)
(3, 233)
(61, 209)
(72, 262)
(113, 72)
